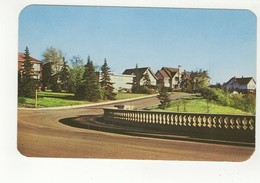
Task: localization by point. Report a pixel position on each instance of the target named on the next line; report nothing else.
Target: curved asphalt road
(41, 133)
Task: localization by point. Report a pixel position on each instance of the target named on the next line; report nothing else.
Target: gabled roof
(132, 71)
(161, 74)
(141, 71)
(170, 71)
(21, 57)
(244, 81)
(167, 72)
(241, 81)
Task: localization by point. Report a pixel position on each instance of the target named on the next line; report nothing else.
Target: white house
(246, 84)
(142, 72)
(121, 82)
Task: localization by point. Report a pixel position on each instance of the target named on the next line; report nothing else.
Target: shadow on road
(96, 122)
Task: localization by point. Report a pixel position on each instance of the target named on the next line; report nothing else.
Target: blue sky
(223, 42)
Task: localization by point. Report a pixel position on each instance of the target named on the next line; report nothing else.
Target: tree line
(78, 78)
(81, 79)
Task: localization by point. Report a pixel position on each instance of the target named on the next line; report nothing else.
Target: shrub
(21, 100)
(147, 90)
(215, 94)
(164, 98)
(245, 102)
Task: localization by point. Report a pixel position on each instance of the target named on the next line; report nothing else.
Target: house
(244, 84)
(121, 82)
(169, 77)
(143, 72)
(36, 66)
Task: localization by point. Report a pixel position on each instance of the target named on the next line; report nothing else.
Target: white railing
(241, 126)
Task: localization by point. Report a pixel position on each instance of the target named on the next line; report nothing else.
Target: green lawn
(199, 105)
(52, 99)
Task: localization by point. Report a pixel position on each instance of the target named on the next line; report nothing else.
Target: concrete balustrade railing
(231, 126)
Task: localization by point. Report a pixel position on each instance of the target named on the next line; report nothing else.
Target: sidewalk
(88, 105)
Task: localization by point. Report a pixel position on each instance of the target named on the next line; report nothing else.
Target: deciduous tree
(54, 58)
(76, 73)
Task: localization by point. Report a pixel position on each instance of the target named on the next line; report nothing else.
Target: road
(41, 133)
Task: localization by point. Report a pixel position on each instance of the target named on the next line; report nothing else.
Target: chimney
(179, 69)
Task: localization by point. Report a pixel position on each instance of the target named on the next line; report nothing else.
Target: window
(36, 67)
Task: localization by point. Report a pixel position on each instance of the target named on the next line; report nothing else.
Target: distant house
(121, 82)
(142, 72)
(244, 84)
(36, 67)
(169, 77)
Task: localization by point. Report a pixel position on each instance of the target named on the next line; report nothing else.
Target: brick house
(36, 67)
(169, 77)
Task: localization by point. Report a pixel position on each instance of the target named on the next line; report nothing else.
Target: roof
(140, 70)
(132, 71)
(241, 81)
(244, 81)
(161, 74)
(167, 72)
(21, 57)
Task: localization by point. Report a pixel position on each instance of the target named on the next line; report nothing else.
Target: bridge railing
(221, 126)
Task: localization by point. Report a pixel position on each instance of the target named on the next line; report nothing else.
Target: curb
(87, 105)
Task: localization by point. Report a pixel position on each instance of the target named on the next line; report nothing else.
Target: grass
(199, 105)
(52, 99)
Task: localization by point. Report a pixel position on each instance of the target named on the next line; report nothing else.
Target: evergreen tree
(147, 80)
(164, 97)
(136, 88)
(20, 86)
(26, 83)
(46, 75)
(89, 89)
(64, 75)
(106, 84)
